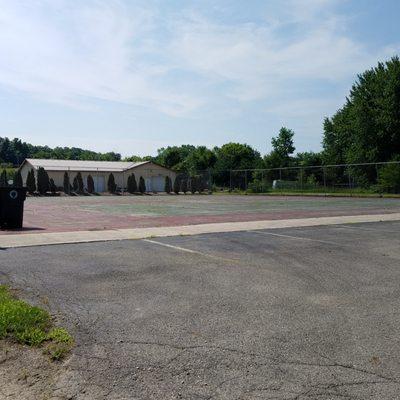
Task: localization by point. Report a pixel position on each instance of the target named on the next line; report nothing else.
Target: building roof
(83, 165)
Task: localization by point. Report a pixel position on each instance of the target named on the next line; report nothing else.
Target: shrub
(132, 185)
(66, 183)
(184, 185)
(193, 185)
(389, 178)
(75, 185)
(111, 185)
(90, 184)
(177, 185)
(43, 181)
(3, 179)
(80, 182)
(31, 181)
(52, 186)
(167, 185)
(18, 179)
(142, 185)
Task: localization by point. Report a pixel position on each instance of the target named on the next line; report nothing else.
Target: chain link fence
(383, 177)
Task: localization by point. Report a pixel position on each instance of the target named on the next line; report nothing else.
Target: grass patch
(31, 325)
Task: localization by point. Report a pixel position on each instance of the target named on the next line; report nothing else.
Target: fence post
(324, 173)
(230, 180)
(301, 179)
(262, 181)
(245, 180)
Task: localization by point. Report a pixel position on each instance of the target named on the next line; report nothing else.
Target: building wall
(153, 174)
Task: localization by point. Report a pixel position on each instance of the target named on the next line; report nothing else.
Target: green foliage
(52, 186)
(167, 185)
(43, 182)
(31, 325)
(79, 182)
(142, 185)
(193, 185)
(31, 181)
(3, 178)
(184, 185)
(111, 185)
(367, 127)
(18, 179)
(15, 151)
(132, 185)
(90, 184)
(75, 184)
(283, 145)
(66, 183)
(389, 178)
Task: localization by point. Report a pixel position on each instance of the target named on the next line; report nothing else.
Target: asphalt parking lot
(296, 313)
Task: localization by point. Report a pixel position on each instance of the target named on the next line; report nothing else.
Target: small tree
(132, 185)
(90, 184)
(177, 185)
(184, 186)
(142, 185)
(43, 182)
(31, 182)
(80, 182)
(66, 183)
(167, 185)
(111, 185)
(3, 179)
(18, 179)
(52, 186)
(75, 185)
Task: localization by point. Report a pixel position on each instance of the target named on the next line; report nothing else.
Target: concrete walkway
(42, 239)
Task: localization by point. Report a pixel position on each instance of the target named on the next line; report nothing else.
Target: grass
(32, 326)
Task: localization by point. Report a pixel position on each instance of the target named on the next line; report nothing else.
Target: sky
(134, 76)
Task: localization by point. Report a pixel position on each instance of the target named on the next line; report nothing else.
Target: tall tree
(80, 182)
(283, 145)
(90, 184)
(66, 183)
(17, 182)
(111, 185)
(43, 182)
(31, 182)
(142, 185)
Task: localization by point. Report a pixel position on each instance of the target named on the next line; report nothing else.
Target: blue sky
(134, 76)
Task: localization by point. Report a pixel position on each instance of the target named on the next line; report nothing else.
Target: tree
(142, 185)
(31, 182)
(111, 185)
(167, 185)
(52, 186)
(367, 127)
(177, 185)
(3, 179)
(66, 183)
(193, 184)
(132, 185)
(232, 156)
(90, 184)
(184, 185)
(75, 184)
(283, 145)
(80, 182)
(43, 182)
(18, 179)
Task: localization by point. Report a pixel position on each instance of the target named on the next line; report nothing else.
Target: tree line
(366, 129)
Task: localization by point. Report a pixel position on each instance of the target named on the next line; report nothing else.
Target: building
(153, 174)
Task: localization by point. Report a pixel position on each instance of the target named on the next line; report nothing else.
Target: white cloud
(76, 52)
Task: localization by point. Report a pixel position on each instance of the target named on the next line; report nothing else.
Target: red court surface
(68, 214)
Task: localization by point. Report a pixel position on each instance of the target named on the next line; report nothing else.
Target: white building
(153, 174)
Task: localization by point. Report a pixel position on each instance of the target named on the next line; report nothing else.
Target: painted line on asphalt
(54, 238)
(190, 251)
(173, 247)
(360, 228)
(295, 237)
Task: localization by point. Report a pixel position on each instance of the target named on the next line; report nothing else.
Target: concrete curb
(44, 239)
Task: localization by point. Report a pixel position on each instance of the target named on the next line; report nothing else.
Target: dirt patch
(27, 374)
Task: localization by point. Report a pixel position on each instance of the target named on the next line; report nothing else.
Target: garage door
(157, 183)
(99, 184)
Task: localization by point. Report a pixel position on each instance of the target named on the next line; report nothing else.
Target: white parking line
(172, 247)
(296, 237)
(359, 228)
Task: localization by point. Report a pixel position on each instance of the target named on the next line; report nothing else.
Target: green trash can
(12, 207)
